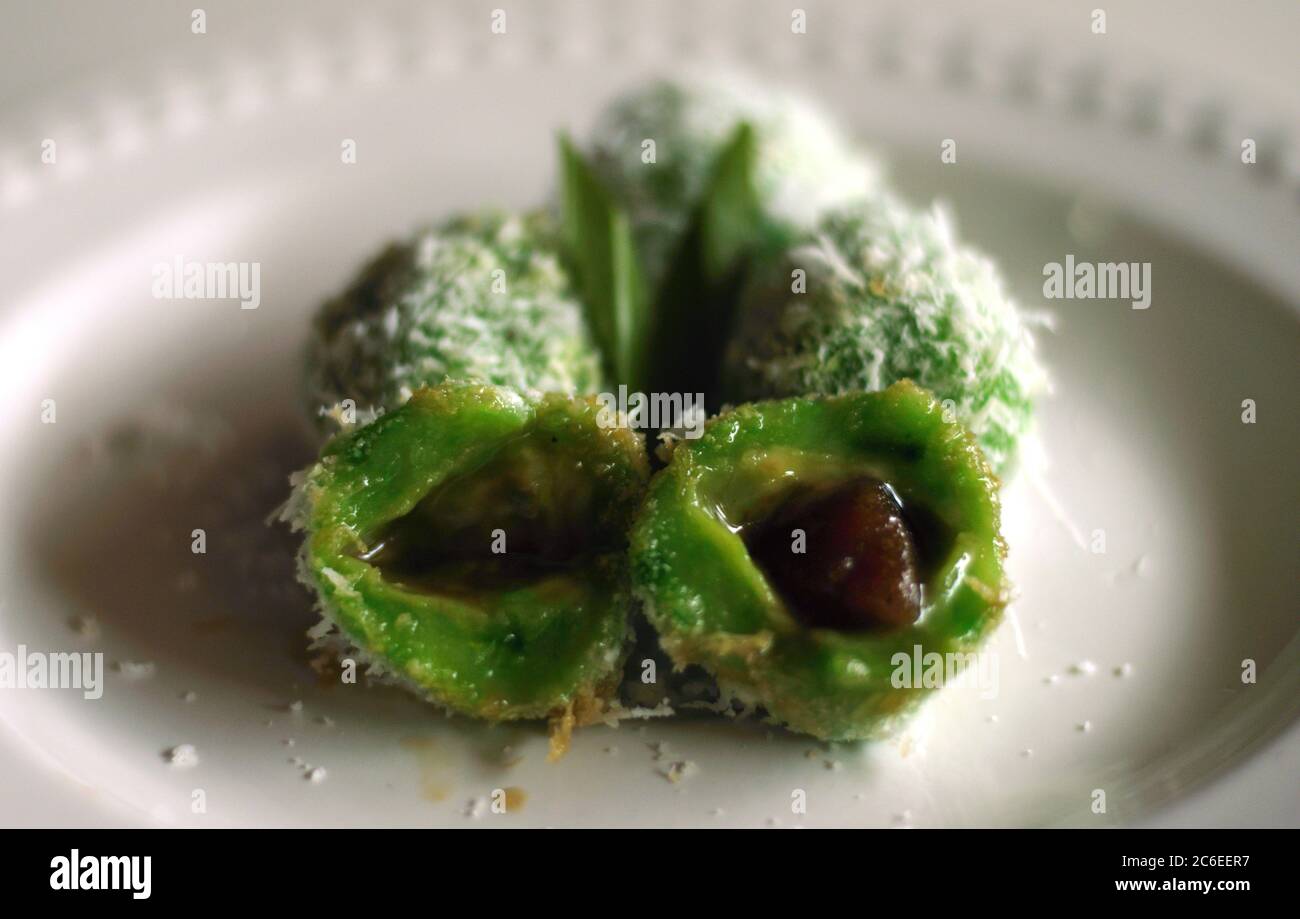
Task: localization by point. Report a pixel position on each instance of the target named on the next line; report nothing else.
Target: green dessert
(480, 298)
(799, 546)
(471, 544)
(484, 540)
(889, 294)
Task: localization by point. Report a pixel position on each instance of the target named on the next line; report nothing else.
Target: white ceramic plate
(176, 415)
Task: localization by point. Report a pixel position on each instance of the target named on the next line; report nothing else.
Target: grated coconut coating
(804, 164)
(890, 295)
(433, 308)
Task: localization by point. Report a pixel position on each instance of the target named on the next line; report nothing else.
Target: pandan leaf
(697, 298)
(598, 241)
(729, 214)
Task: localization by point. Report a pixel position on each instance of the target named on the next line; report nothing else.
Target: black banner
(368, 868)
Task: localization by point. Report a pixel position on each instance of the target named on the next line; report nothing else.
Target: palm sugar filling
(528, 514)
(852, 559)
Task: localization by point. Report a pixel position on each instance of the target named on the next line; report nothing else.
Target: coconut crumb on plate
(135, 670)
(183, 756)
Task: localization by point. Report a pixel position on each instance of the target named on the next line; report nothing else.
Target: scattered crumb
(1083, 668)
(773, 821)
(1140, 568)
(294, 707)
(325, 720)
(337, 414)
(1027, 752)
(515, 799)
(289, 741)
(189, 696)
(1052, 680)
(86, 626)
(135, 670)
(640, 712)
(183, 755)
(679, 771)
(660, 749)
(1123, 670)
(833, 765)
(309, 772)
(992, 719)
(475, 808)
(1083, 726)
(612, 751)
(717, 812)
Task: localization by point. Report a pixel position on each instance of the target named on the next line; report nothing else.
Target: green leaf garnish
(598, 240)
(697, 298)
(729, 214)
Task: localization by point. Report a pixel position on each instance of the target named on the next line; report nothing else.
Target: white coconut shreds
(890, 294)
(183, 756)
(804, 165)
(482, 298)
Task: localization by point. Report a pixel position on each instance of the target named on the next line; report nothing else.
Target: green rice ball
(890, 295)
(804, 164)
(482, 298)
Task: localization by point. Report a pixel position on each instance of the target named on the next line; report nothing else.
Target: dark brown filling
(865, 557)
(515, 521)
(407, 554)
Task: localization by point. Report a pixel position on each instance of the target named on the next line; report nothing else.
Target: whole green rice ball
(890, 295)
(804, 164)
(482, 298)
